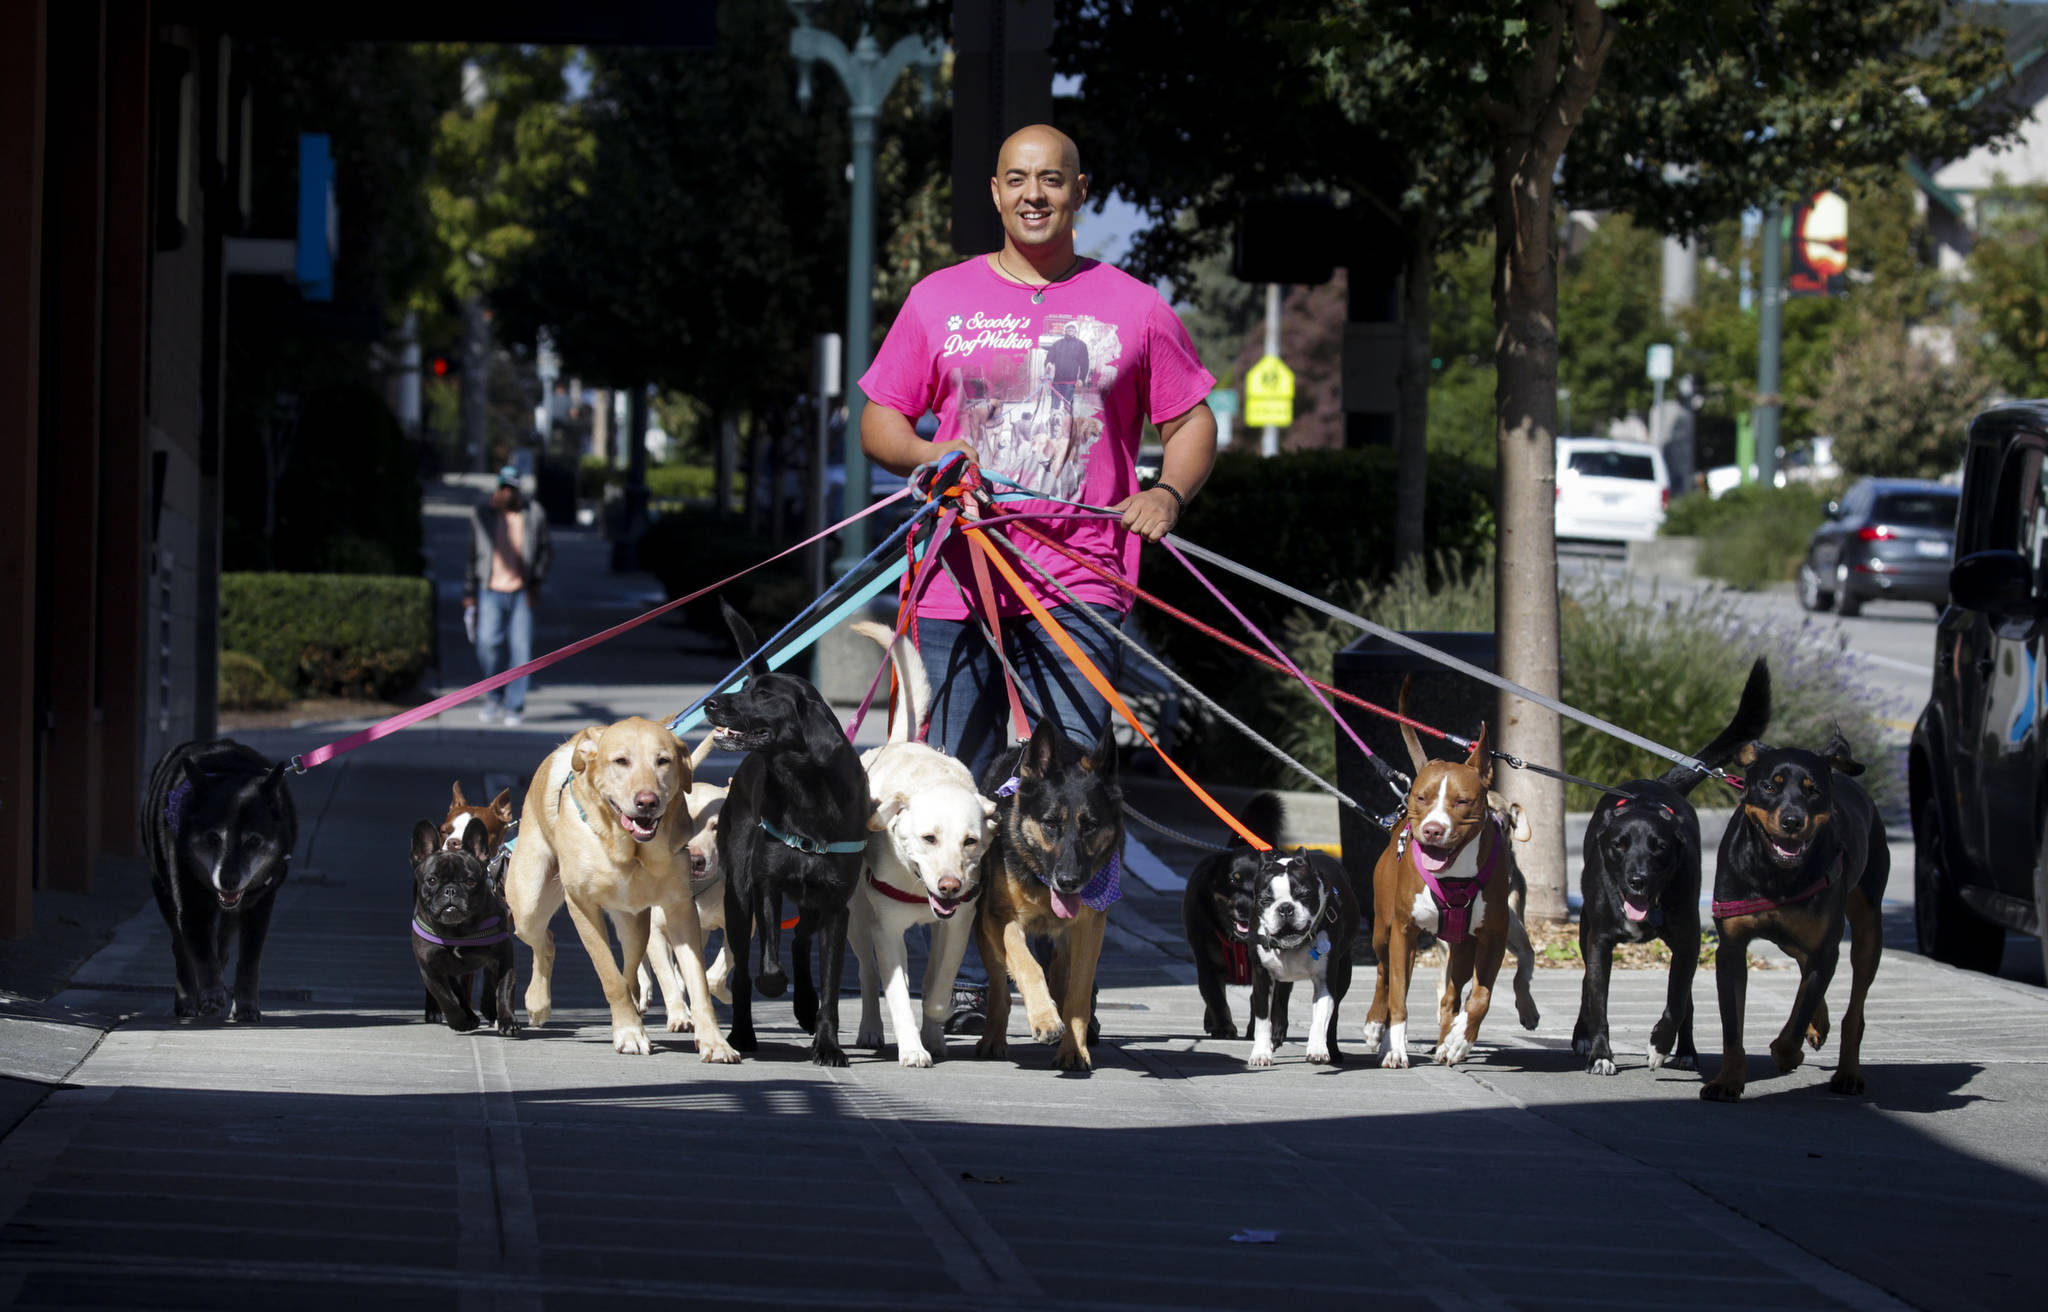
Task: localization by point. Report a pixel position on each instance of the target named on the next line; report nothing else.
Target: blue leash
(780, 653)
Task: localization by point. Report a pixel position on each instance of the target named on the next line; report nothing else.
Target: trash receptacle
(1372, 668)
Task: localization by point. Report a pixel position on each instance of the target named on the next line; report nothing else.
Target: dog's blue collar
(812, 845)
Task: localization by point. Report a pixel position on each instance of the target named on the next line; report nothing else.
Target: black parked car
(1978, 782)
(1886, 537)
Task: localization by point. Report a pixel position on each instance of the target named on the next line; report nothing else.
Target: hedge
(664, 482)
(1753, 535)
(345, 635)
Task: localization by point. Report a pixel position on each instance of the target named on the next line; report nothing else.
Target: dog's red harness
(1454, 903)
(1237, 959)
(1750, 906)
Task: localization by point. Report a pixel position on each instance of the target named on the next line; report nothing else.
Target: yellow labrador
(606, 828)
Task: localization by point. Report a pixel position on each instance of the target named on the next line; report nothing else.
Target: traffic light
(439, 365)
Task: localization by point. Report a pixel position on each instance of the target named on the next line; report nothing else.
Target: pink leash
(406, 719)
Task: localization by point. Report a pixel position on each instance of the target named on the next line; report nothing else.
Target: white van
(1609, 490)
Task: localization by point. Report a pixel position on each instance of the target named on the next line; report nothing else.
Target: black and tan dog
(1053, 871)
(1641, 881)
(1218, 912)
(1803, 854)
(795, 823)
(460, 928)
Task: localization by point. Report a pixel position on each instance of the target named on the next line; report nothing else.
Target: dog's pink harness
(1752, 905)
(1453, 903)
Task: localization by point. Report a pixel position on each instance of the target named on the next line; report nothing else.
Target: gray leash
(1188, 840)
(1444, 658)
(1188, 689)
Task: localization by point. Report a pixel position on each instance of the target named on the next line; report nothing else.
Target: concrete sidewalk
(344, 1152)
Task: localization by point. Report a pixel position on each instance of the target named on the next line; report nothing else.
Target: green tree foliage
(2006, 290)
(1896, 409)
(510, 147)
(711, 245)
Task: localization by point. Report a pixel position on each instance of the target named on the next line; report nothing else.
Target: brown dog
(606, 829)
(495, 818)
(1447, 870)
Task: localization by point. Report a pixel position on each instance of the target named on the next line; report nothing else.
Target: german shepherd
(1053, 871)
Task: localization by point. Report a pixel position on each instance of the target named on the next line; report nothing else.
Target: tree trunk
(1525, 596)
(1547, 97)
(1411, 473)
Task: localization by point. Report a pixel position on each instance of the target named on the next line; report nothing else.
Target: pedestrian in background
(1043, 366)
(509, 556)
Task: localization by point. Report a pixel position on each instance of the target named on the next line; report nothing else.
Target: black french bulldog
(219, 827)
(1217, 912)
(1642, 881)
(460, 927)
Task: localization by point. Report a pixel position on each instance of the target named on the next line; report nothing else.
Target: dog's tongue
(1632, 911)
(642, 830)
(1064, 905)
(940, 909)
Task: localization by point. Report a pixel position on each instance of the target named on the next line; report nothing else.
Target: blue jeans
(971, 711)
(501, 616)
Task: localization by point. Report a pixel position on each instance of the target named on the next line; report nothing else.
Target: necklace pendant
(1038, 297)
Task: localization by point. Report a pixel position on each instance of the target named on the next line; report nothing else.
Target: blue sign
(318, 221)
(1223, 401)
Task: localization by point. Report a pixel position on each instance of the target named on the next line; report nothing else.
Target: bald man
(1011, 350)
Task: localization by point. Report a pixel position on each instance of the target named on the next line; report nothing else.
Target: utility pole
(867, 73)
(1770, 335)
(1269, 438)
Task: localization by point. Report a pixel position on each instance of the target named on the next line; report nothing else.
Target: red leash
(1351, 699)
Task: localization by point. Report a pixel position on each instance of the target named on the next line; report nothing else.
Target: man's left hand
(1150, 514)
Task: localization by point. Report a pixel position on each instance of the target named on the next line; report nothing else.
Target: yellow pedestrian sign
(1269, 394)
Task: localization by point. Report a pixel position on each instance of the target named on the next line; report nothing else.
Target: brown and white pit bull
(1448, 870)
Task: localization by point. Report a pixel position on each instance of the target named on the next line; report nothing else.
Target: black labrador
(1642, 881)
(795, 824)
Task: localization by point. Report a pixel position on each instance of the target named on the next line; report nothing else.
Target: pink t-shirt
(1053, 395)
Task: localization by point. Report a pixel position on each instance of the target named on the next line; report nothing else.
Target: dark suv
(1886, 537)
(1978, 782)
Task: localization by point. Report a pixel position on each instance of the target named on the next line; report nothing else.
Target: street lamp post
(867, 73)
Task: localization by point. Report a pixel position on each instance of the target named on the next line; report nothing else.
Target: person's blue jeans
(970, 716)
(504, 619)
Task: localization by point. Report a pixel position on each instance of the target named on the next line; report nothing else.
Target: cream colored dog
(930, 829)
(605, 829)
(707, 889)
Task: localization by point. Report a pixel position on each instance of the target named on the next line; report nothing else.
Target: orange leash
(1101, 684)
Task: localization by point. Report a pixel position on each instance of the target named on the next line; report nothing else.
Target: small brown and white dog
(1448, 870)
(606, 830)
(707, 889)
(495, 818)
(930, 829)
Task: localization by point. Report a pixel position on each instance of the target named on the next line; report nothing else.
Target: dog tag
(1322, 945)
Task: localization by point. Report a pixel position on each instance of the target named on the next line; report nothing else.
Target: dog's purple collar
(174, 805)
(479, 941)
(1105, 888)
(1009, 787)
